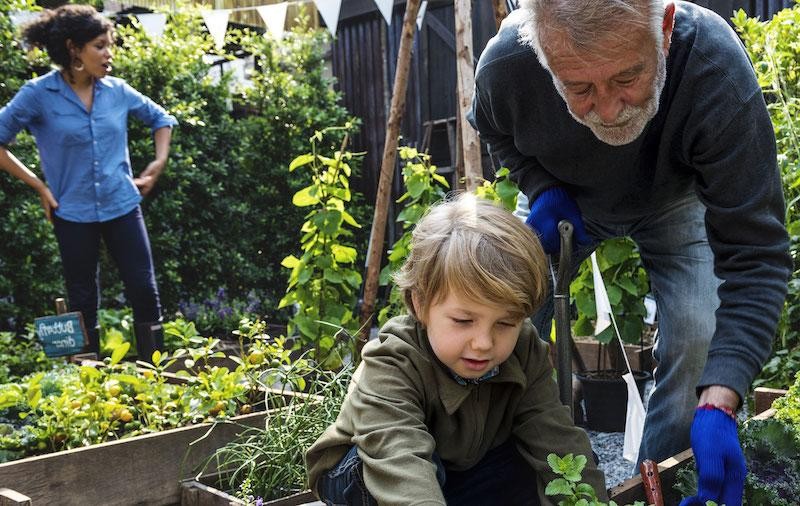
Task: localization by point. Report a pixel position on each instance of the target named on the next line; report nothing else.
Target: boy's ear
(417, 307)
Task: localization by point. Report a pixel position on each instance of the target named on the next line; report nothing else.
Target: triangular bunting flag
(153, 24)
(385, 6)
(274, 17)
(217, 23)
(421, 14)
(329, 10)
(21, 17)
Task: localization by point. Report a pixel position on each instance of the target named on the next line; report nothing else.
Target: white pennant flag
(329, 10)
(217, 23)
(153, 24)
(634, 420)
(274, 17)
(600, 299)
(386, 6)
(635, 415)
(421, 14)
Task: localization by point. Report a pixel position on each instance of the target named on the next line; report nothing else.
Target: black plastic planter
(605, 398)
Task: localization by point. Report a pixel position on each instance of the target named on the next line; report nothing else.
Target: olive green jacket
(404, 405)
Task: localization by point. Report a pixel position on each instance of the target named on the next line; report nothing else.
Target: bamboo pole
(378, 233)
(473, 171)
(500, 11)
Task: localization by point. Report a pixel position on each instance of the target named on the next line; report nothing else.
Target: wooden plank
(465, 72)
(632, 490)
(10, 497)
(142, 470)
(763, 397)
(383, 198)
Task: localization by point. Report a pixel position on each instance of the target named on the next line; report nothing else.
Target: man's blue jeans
(501, 477)
(675, 252)
(127, 242)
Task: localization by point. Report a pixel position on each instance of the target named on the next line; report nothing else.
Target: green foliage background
(774, 48)
(221, 215)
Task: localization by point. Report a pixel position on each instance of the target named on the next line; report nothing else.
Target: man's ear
(667, 26)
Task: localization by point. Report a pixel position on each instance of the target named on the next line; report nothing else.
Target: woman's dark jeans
(501, 477)
(127, 242)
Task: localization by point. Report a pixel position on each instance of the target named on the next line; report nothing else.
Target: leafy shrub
(772, 46)
(219, 214)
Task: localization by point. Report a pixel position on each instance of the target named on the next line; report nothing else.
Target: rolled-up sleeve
(18, 114)
(150, 113)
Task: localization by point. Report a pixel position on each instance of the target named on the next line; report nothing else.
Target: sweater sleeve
(740, 184)
(543, 425)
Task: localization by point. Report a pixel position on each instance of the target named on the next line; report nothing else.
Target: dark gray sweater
(712, 135)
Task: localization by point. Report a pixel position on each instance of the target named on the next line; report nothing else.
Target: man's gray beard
(634, 118)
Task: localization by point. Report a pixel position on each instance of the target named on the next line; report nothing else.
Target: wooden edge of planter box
(632, 490)
(142, 470)
(196, 493)
(10, 497)
(763, 397)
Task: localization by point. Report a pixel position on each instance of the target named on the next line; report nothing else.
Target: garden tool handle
(651, 483)
(561, 307)
(565, 230)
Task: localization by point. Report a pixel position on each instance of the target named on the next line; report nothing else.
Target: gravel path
(608, 447)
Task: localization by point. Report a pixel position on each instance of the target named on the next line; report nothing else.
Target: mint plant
(569, 485)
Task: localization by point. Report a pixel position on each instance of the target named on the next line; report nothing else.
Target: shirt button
(97, 184)
(95, 163)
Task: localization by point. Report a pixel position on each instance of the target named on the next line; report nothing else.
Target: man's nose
(608, 105)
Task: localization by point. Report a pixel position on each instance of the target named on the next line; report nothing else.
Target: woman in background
(78, 115)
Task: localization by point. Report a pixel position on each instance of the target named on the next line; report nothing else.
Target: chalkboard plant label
(61, 335)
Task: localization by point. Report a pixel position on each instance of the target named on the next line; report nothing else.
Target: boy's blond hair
(472, 247)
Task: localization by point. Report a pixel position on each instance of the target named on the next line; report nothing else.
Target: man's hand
(549, 208)
(718, 454)
(147, 179)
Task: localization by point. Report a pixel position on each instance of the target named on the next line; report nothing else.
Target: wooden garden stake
(378, 233)
(500, 11)
(465, 71)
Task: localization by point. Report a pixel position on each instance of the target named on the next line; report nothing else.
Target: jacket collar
(451, 393)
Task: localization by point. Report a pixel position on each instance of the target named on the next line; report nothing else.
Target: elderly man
(643, 118)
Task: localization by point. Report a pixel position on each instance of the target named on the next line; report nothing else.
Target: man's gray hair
(585, 22)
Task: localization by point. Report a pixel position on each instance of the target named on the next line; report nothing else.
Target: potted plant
(603, 390)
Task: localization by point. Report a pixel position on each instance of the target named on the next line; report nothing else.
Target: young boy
(457, 401)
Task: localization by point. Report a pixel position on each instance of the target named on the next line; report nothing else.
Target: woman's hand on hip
(147, 179)
(49, 203)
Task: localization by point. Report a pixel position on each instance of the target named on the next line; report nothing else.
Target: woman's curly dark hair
(79, 23)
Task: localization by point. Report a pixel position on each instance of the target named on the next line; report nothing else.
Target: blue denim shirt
(84, 154)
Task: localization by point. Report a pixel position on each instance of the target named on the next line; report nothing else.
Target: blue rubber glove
(720, 461)
(549, 208)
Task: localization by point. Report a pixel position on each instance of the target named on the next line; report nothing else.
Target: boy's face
(470, 337)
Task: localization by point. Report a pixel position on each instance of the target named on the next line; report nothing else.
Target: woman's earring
(77, 67)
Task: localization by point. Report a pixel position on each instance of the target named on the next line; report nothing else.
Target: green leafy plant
(424, 187)
(626, 283)
(22, 355)
(569, 486)
(267, 462)
(323, 284)
(772, 46)
(502, 190)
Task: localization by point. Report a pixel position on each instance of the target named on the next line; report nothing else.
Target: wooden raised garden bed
(141, 470)
(632, 490)
(200, 493)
